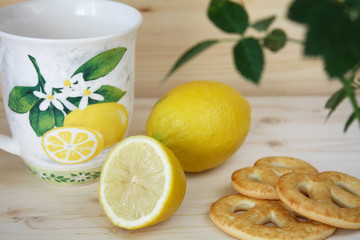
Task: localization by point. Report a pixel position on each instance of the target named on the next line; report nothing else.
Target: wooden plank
(172, 26)
(290, 126)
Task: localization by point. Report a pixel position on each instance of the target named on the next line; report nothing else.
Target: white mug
(67, 71)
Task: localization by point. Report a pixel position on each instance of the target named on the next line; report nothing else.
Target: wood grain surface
(171, 26)
(288, 126)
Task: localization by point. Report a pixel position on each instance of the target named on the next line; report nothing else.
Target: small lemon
(202, 122)
(141, 183)
(110, 119)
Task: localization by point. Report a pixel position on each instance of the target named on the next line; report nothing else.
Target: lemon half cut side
(141, 183)
(72, 145)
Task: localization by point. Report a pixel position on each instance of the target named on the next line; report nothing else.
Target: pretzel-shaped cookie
(330, 197)
(251, 224)
(260, 180)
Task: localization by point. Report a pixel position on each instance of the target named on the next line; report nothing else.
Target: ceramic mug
(67, 71)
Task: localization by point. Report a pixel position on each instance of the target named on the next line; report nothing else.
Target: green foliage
(189, 54)
(334, 101)
(275, 40)
(249, 58)
(332, 34)
(228, 16)
(263, 24)
(248, 52)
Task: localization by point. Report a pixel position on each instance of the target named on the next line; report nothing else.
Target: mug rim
(130, 29)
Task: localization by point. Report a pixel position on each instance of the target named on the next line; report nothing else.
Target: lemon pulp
(141, 184)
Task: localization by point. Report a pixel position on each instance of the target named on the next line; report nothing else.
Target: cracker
(330, 197)
(251, 224)
(260, 180)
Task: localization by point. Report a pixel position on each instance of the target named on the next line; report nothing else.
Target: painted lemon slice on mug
(72, 145)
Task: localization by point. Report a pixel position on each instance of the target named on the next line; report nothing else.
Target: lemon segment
(72, 145)
(109, 119)
(141, 183)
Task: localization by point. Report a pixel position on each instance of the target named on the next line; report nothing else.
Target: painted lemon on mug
(109, 119)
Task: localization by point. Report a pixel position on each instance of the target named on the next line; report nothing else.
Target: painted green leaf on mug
(41, 80)
(110, 93)
(58, 117)
(41, 121)
(22, 99)
(102, 64)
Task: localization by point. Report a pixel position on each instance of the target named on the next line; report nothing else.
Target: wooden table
(291, 126)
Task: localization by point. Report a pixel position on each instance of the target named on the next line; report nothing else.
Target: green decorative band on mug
(66, 178)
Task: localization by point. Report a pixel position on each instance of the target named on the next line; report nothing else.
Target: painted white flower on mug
(56, 99)
(68, 84)
(85, 91)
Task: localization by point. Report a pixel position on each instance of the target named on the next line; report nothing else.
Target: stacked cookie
(287, 198)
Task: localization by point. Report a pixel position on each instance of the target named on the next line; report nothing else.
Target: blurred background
(171, 26)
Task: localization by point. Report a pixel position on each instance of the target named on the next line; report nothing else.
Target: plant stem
(277, 38)
(351, 95)
(296, 40)
(230, 39)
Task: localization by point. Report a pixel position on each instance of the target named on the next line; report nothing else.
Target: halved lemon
(141, 183)
(72, 145)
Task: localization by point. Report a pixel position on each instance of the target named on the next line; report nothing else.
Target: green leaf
(102, 64)
(41, 121)
(349, 121)
(249, 59)
(334, 101)
(263, 24)
(275, 40)
(41, 80)
(22, 99)
(59, 117)
(228, 16)
(190, 54)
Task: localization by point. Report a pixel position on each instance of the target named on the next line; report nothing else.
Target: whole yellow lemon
(110, 119)
(202, 122)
